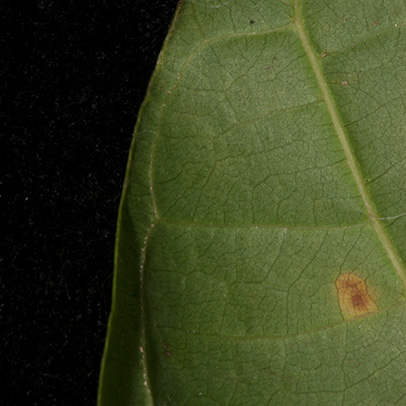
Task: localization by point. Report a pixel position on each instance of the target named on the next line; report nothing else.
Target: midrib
(342, 136)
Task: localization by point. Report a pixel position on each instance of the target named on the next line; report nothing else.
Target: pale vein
(343, 138)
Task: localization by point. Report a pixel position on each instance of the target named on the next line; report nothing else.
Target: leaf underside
(260, 247)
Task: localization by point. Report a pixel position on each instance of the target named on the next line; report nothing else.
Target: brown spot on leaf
(167, 353)
(353, 296)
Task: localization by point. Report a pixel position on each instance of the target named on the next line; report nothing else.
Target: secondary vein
(143, 339)
(343, 138)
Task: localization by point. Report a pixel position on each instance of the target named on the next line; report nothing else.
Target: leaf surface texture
(261, 246)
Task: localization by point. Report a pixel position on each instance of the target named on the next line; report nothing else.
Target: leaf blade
(236, 299)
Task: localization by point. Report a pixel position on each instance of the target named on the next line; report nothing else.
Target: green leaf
(261, 237)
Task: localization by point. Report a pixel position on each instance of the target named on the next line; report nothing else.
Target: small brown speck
(167, 353)
(252, 21)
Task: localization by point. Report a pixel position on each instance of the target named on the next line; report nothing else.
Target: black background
(73, 76)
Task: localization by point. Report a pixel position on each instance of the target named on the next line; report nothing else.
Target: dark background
(73, 76)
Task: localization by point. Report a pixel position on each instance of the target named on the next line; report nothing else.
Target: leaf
(261, 246)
